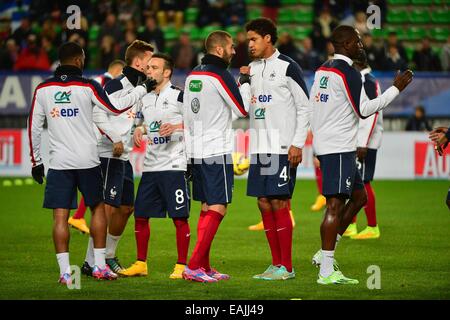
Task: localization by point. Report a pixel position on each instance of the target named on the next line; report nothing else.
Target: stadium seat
(170, 33)
(233, 30)
(285, 15)
(191, 15)
(416, 33)
(140, 29)
(289, 2)
(94, 31)
(207, 30)
(437, 50)
(440, 34)
(93, 56)
(195, 33)
(253, 14)
(36, 29)
(409, 53)
(254, 2)
(378, 33)
(303, 16)
(424, 2)
(419, 16)
(401, 32)
(397, 16)
(441, 16)
(301, 33)
(398, 2)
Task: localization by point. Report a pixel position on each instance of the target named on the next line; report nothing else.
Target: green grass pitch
(413, 252)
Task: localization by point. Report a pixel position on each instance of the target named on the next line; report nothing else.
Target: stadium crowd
(30, 36)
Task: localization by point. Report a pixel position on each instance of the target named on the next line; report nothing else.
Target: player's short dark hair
(168, 61)
(69, 51)
(135, 49)
(263, 26)
(116, 62)
(341, 34)
(216, 38)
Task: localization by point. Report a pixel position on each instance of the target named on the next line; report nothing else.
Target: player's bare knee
(361, 198)
(264, 204)
(278, 204)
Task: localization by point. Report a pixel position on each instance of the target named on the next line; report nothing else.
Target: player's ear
(268, 38)
(167, 73)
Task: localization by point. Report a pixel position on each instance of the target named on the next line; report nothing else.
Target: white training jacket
(370, 130)
(163, 153)
(338, 99)
(211, 95)
(120, 128)
(66, 100)
(279, 112)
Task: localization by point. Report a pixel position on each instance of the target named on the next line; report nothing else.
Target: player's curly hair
(263, 26)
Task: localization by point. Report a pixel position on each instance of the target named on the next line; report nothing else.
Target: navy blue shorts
(163, 192)
(339, 174)
(118, 182)
(367, 167)
(213, 179)
(61, 188)
(271, 175)
(448, 196)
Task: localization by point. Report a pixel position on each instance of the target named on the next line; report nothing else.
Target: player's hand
(402, 80)
(438, 130)
(137, 137)
(294, 156)
(149, 84)
(438, 137)
(316, 162)
(166, 129)
(244, 75)
(117, 149)
(361, 153)
(38, 173)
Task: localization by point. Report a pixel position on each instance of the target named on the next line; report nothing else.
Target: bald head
(347, 41)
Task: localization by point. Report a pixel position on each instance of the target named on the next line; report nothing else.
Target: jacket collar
(133, 75)
(273, 56)
(68, 70)
(215, 60)
(342, 57)
(164, 89)
(366, 71)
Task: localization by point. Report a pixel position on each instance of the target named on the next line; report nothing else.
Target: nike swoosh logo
(281, 229)
(188, 235)
(280, 185)
(178, 208)
(265, 230)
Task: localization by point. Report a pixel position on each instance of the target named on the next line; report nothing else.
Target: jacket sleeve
(101, 120)
(300, 94)
(35, 126)
(362, 105)
(367, 125)
(114, 102)
(230, 92)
